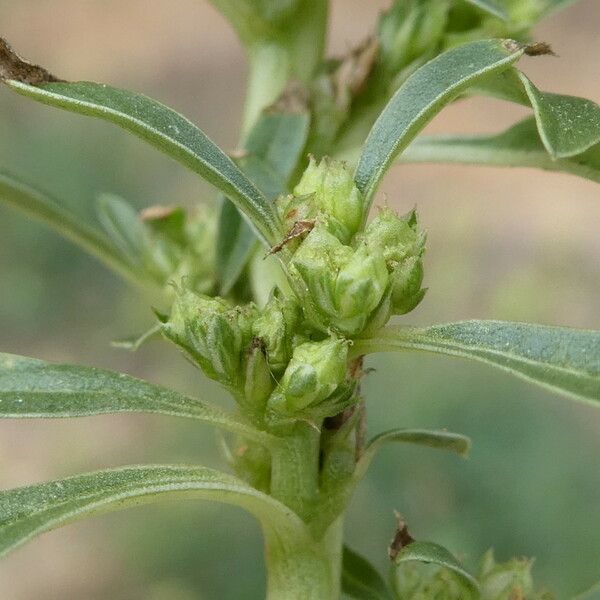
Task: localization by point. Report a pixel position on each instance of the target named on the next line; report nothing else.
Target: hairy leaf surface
(30, 511)
(562, 359)
(273, 149)
(428, 552)
(421, 97)
(169, 132)
(519, 146)
(31, 388)
(445, 440)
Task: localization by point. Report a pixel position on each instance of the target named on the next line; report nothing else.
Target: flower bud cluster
(353, 281)
(263, 357)
(325, 189)
(289, 359)
(177, 246)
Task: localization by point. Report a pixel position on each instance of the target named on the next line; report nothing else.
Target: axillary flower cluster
(289, 360)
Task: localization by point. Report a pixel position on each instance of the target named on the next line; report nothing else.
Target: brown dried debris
(294, 99)
(298, 230)
(401, 538)
(157, 212)
(356, 67)
(14, 68)
(539, 49)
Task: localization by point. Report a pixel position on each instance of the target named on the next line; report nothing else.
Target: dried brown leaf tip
(157, 213)
(539, 49)
(356, 66)
(401, 538)
(298, 230)
(13, 67)
(293, 99)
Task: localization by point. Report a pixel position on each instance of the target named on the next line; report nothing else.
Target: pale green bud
(212, 333)
(402, 245)
(361, 282)
(345, 285)
(317, 262)
(314, 373)
(505, 581)
(277, 327)
(258, 383)
(406, 280)
(397, 237)
(330, 183)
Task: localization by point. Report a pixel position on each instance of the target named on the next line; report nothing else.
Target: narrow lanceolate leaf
(360, 579)
(428, 552)
(421, 97)
(169, 132)
(519, 146)
(445, 440)
(31, 388)
(125, 228)
(30, 511)
(272, 151)
(562, 359)
(490, 7)
(45, 209)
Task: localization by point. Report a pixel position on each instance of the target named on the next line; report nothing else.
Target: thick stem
(295, 469)
(301, 570)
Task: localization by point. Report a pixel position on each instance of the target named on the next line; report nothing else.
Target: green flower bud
(406, 280)
(258, 383)
(345, 285)
(361, 282)
(505, 581)
(331, 185)
(397, 237)
(402, 245)
(212, 334)
(277, 327)
(314, 373)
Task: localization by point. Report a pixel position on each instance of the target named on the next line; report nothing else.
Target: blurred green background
(520, 245)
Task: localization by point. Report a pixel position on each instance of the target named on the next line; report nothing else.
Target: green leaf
(491, 8)
(278, 138)
(444, 440)
(421, 97)
(30, 511)
(431, 553)
(125, 228)
(45, 209)
(361, 580)
(274, 148)
(167, 131)
(519, 146)
(568, 125)
(561, 359)
(31, 388)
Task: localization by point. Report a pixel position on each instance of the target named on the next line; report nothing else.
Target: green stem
(301, 570)
(295, 468)
(269, 65)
